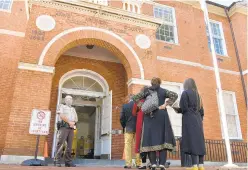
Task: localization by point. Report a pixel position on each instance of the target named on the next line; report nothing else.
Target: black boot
(70, 165)
(57, 163)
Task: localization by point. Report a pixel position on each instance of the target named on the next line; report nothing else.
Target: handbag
(151, 103)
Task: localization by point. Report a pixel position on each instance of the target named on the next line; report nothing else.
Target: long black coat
(157, 132)
(192, 128)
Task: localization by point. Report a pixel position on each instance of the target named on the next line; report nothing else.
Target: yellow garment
(129, 141)
(201, 168)
(74, 144)
(192, 168)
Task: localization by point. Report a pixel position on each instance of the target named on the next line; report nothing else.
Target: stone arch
(97, 36)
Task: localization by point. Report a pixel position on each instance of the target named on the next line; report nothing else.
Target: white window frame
(180, 85)
(239, 137)
(10, 7)
(222, 37)
(168, 23)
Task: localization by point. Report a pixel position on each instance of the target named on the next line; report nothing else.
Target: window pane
(166, 33)
(5, 4)
(218, 46)
(228, 102)
(231, 115)
(209, 44)
(164, 13)
(232, 126)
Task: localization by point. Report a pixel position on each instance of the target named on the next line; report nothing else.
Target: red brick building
(100, 51)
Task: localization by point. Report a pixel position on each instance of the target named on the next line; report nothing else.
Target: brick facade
(25, 89)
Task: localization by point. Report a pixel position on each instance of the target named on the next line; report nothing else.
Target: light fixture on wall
(89, 46)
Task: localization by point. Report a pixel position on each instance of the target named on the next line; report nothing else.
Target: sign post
(39, 125)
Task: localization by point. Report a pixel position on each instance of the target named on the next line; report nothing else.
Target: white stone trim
(148, 82)
(16, 159)
(245, 72)
(83, 92)
(27, 9)
(86, 73)
(60, 35)
(14, 33)
(193, 64)
(35, 67)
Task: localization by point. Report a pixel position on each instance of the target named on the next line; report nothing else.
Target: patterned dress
(157, 132)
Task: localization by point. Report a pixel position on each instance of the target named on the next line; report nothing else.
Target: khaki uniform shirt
(69, 112)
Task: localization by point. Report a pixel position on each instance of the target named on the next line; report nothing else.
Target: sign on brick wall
(40, 122)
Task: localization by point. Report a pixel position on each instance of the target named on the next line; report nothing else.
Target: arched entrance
(97, 36)
(93, 103)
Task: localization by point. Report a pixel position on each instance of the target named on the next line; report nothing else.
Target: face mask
(68, 102)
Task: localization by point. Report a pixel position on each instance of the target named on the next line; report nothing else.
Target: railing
(216, 151)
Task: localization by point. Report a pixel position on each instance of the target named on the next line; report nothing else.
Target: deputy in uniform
(66, 125)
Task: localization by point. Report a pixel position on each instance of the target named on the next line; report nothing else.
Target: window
(5, 5)
(167, 31)
(218, 38)
(232, 117)
(175, 118)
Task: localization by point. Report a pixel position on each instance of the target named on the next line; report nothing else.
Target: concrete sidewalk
(18, 167)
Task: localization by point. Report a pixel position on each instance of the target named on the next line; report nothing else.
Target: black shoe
(57, 164)
(127, 167)
(167, 165)
(70, 165)
(142, 167)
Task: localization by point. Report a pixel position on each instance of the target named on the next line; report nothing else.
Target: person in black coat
(128, 123)
(191, 107)
(157, 134)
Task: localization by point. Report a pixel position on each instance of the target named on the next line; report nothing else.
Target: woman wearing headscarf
(157, 134)
(191, 107)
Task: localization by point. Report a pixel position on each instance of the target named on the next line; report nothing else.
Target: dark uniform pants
(65, 134)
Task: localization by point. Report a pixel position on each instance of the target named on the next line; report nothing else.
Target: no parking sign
(40, 122)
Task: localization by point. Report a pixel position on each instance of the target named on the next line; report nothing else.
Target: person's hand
(162, 107)
(72, 124)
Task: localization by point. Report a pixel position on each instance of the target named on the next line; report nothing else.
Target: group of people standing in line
(153, 133)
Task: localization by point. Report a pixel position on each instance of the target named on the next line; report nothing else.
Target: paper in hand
(176, 107)
(176, 104)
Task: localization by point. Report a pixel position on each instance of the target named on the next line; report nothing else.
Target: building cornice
(103, 12)
(238, 9)
(211, 8)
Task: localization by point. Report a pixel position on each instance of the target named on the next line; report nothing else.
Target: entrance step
(93, 162)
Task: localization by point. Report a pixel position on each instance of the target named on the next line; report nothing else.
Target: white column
(128, 6)
(138, 6)
(124, 5)
(133, 6)
(219, 89)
